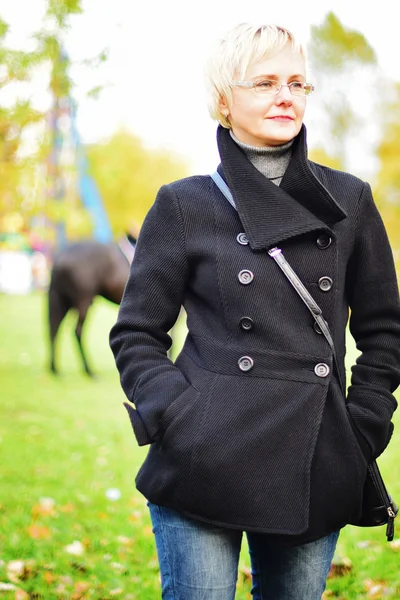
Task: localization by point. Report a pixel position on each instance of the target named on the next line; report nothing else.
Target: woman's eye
(266, 84)
(297, 85)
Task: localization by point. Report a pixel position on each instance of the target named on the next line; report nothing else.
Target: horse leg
(57, 310)
(82, 312)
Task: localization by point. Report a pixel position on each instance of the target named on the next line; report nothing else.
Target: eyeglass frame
(277, 88)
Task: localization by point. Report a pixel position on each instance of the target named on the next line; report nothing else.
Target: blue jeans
(200, 561)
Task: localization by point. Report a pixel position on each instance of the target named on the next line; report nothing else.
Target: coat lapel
(271, 213)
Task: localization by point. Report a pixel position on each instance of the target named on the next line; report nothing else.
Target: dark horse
(80, 272)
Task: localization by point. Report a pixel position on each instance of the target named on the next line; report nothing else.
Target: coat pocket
(139, 428)
(177, 409)
(173, 412)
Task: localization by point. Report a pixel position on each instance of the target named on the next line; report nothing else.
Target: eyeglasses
(265, 87)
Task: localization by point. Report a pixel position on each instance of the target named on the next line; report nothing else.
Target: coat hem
(283, 538)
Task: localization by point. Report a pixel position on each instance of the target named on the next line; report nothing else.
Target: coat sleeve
(375, 326)
(149, 308)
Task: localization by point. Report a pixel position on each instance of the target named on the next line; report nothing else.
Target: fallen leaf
(76, 548)
(340, 567)
(153, 563)
(147, 531)
(103, 516)
(49, 577)
(122, 539)
(39, 532)
(118, 567)
(7, 587)
(113, 494)
(136, 501)
(20, 570)
(135, 516)
(80, 589)
(67, 508)
(44, 508)
(376, 589)
(63, 590)
(367, 544)
(395, 545)
(246, 572)
(15, 570)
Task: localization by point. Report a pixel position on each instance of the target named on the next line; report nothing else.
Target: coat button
(242, 239)
(325, 284)
(317, 328)
(321, 370)
(245, 276)
(324, 241)
(245, 363)
(246, 323)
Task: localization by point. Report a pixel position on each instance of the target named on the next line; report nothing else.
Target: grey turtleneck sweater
(271, 161)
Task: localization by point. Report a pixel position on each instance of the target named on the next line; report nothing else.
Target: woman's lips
(281, 119)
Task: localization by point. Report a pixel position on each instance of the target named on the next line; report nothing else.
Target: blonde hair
(240, 47)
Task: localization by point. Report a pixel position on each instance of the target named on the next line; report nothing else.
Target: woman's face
(268, 120)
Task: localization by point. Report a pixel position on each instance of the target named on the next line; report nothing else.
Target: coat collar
(270, 213)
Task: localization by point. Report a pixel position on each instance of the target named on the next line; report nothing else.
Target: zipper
(387, 502)
(390, 524)
(380, 488)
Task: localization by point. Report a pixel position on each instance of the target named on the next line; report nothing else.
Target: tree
(15, 118)
(336, 54)
(67, 214)
(129, 176)
(387, 186)
(344, 63)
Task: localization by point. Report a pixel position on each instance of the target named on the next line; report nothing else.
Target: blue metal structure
(88, 190)
(64, 108)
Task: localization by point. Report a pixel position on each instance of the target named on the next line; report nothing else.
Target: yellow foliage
(320, 155)
(387, 187)
(129, 176)
(333, 45)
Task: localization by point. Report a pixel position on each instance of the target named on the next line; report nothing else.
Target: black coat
(276, 448)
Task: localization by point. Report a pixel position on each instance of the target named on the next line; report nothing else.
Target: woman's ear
(223, 106)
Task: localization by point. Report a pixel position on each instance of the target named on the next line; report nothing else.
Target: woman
(249, 430)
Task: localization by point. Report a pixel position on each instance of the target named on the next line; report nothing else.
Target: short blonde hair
(240, 47)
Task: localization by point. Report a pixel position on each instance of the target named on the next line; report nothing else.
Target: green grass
(68, 439)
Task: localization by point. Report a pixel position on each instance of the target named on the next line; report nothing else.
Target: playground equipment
(68, 166)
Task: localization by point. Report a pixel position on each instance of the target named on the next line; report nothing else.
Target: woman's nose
(284, 95)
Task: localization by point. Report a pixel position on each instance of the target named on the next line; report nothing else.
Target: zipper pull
(390, 524)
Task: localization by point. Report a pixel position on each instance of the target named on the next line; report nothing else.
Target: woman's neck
(271, 161)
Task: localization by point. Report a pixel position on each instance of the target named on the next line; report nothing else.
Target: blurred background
(101, 103)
